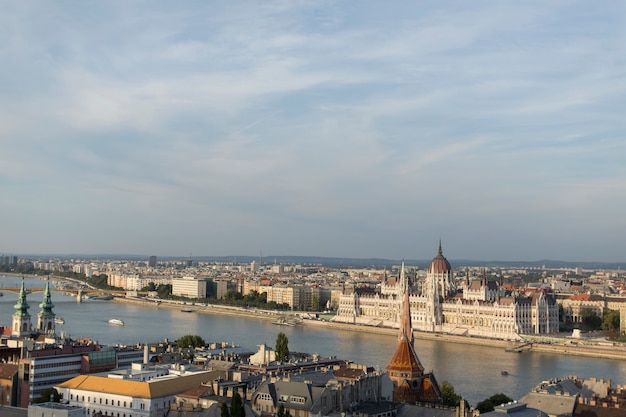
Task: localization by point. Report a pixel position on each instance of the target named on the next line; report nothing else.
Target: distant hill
(345, 262)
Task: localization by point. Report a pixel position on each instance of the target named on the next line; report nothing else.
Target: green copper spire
(46, 304)
(21, 307)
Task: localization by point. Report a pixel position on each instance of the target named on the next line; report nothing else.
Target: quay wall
(560, 346)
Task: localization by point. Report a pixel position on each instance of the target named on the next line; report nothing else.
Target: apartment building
(190, 287)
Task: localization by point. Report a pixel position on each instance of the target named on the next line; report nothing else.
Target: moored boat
(283, 322)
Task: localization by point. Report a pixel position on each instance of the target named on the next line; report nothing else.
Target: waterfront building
(134, 282)
(296, 296)
(410, 383)
(190, 287)
(131, 398)
(574, 305)
(473, 308)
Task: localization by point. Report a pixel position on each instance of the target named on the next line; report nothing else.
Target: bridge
(77, 292)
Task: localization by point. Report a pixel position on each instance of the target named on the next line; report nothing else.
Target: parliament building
(440, 303)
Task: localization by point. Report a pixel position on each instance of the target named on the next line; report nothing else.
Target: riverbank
(553, 345)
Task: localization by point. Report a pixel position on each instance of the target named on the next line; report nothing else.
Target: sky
(314, 128)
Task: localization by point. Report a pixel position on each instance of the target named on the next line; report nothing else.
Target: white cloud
(272, 120)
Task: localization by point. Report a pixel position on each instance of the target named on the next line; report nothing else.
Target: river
(474, 371)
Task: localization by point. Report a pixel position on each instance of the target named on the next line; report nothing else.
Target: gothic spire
(406, 328)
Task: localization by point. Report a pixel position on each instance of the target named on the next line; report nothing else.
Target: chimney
(145, 354)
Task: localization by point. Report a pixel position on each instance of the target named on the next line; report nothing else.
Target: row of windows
(104, 413)
(38, 365)
(57, 373)
(95, 400)
(142, 406)
(48, 383)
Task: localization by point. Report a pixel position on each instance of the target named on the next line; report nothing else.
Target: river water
(474, 371)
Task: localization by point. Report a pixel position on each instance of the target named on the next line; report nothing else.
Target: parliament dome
(439, 264)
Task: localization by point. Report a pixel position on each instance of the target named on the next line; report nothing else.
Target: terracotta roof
(580, 297)
(198, 392)
(405, 359)
(348, 373)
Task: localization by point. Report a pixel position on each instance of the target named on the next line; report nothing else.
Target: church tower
(21, 318)
(45, 318)
(410, 383)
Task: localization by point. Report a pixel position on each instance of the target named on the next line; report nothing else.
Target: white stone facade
(483, 311)
(190, 287)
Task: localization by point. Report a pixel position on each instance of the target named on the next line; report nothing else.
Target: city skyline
(314, 129)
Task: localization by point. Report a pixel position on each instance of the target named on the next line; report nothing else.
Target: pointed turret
(45, 318)
(21, 317)
(21, 307)
(46, 304)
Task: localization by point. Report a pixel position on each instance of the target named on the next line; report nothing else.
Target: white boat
(59, 320)
(283, 322)
(116, 322)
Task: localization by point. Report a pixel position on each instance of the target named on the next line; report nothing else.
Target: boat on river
(283, 322)
(116, 322)
(59, 320)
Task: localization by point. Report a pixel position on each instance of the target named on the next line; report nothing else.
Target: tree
(500, 398)
(232, 295)
(150, 287)
(485, 406)
(490, 403)
(190, 341)
(164, 290)
(225, 412)
(236, 406)
(590, 319)
(282, 347)
(48, 395)
(449, 396)
(315, 303)
(610, 320)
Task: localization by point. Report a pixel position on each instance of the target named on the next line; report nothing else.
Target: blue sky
(323, 128)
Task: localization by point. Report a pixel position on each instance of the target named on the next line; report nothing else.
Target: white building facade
(127, 397)
(478, 308)
(190, 287)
